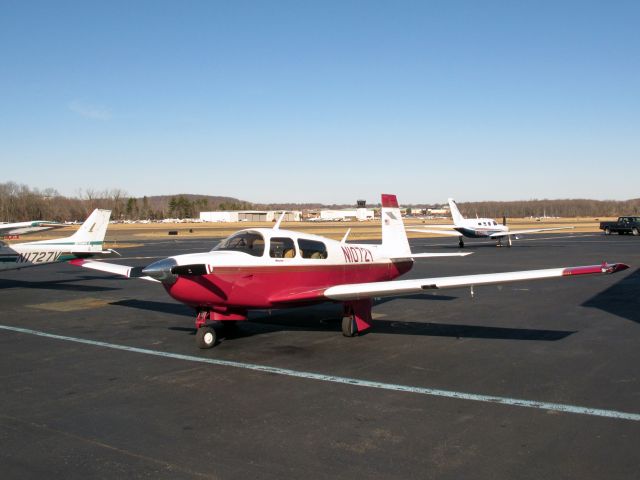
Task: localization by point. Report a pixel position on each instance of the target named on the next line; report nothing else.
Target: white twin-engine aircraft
(87, 241)
(260, 268)
(477, 228)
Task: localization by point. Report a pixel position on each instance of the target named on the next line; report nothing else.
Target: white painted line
(517, 402)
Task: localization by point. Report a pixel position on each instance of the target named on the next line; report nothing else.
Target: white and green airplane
(14, 230)
(86, 242)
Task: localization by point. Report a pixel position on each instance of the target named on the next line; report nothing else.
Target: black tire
(349, 328)
(461, 244)
(206, 337)
(620, 232)
(607, 231)
(635, 231)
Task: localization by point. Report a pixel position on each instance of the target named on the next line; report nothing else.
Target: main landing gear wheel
(349, 328)
(206, 337)
(461, 243)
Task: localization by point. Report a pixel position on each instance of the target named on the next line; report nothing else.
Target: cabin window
(494, 222)
(312, 249)
(282, 247)
(246, 242)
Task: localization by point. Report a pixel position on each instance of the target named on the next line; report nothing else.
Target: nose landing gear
(206, 335)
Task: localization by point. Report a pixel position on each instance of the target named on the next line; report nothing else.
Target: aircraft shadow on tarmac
(59, 285)
(621, 299)
(327, 318)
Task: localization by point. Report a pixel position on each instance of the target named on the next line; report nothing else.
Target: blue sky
(274, 101)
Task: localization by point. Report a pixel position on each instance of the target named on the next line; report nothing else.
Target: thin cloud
(92, 112)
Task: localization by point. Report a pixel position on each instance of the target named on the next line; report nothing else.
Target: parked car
(622, 226)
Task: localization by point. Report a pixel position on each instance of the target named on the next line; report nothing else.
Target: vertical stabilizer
(455, 213)
(394, 237)
(90, 235)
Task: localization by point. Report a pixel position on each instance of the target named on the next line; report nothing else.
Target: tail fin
(394, 237)
(90, 235)
(455, 213)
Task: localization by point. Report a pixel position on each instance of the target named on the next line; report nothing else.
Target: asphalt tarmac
(529, 380)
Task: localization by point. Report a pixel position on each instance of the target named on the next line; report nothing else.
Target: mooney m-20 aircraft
(14, 230)
(477, 228)
(87, 241)
(262, 268)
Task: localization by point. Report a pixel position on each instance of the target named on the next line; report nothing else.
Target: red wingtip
(603, 268)
(614, 267)
(78, 262)
(389, 201)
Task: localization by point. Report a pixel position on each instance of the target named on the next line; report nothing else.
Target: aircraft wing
(439, 225)
(431, 255)
(24, 228)
(452, 233)
(358, 291)
(531, 230)
(115, 268)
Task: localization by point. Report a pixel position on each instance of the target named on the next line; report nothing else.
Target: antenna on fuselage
(344, 239)
(277, 225)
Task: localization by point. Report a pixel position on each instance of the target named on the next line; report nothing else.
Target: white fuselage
(479, 227)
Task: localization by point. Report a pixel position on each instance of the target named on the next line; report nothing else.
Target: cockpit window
(246, 242)
(312, 249)
(282, 248)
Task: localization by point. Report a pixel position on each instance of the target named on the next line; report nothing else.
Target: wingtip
(613, 267)
(590, 269)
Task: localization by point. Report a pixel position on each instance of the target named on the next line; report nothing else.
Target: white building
(360, 214)
(250, 216)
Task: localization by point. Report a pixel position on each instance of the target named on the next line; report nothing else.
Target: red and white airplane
(260, 268)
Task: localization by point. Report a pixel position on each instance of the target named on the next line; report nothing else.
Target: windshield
(246, 242)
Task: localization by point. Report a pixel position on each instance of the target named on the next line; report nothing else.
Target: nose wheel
(206, 337)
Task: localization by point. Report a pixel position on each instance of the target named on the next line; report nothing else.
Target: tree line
(551, 208)
(21, 203)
